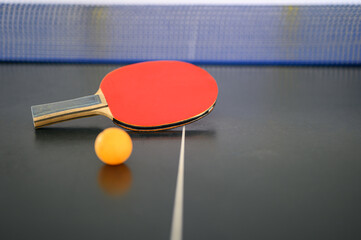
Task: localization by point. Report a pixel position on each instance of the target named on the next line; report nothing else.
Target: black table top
(278, 158)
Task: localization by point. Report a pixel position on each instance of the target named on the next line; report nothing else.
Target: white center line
(177, 221)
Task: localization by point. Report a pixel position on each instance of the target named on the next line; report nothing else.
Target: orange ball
(113, 146)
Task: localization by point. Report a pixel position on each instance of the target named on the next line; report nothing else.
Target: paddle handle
(46, 114)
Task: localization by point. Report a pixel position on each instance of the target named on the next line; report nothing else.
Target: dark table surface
(278, 158)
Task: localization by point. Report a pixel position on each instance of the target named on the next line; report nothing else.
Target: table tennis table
(279, 157)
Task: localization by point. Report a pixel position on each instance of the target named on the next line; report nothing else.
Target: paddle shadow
(86, 134)
(66, 134)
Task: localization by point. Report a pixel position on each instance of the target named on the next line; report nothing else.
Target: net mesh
(207, 34)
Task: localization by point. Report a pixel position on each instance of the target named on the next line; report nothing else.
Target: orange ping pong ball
(113, 146)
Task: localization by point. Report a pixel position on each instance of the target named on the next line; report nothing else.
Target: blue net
(203, 34)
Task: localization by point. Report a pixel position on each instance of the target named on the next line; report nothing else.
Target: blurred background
(222, 32)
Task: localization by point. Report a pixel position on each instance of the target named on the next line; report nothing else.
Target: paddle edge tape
(166, 126)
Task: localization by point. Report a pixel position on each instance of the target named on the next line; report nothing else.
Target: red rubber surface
(158, 93)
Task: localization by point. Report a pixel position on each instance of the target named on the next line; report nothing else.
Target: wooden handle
(51, 113)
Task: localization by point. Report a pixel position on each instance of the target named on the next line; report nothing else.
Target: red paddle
(146, 96)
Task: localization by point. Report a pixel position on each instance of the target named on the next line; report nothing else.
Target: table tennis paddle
(147, 96)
